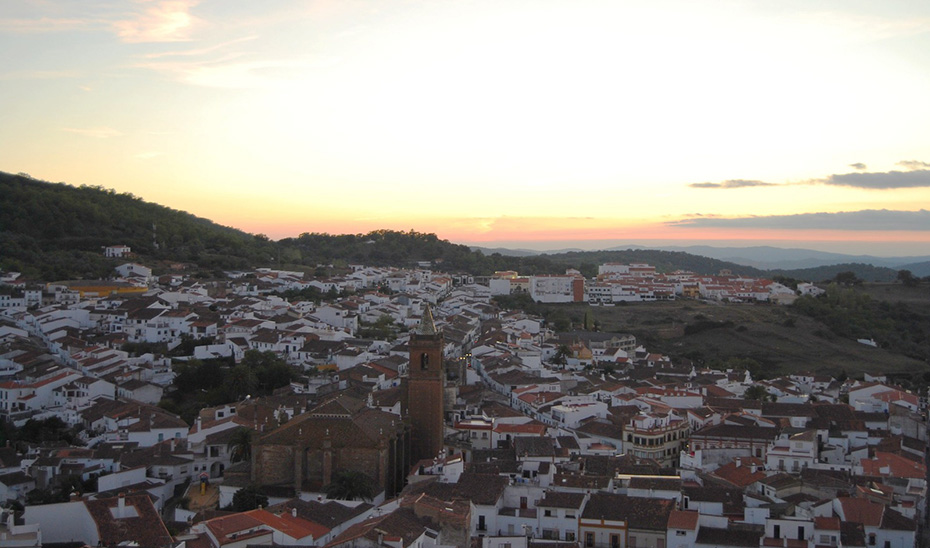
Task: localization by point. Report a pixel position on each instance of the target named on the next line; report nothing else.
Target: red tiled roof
(862, 511)
(527, 428)
(831, 523)
(291, 526)
(890, 464)
(683, 519)
(140, 521)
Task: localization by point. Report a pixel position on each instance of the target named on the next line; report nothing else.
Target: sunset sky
(793, 123)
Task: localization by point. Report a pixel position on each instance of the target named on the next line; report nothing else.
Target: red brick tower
(425, 389)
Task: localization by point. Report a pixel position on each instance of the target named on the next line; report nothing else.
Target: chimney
(293, 512)
(121, 506)
(739, 462)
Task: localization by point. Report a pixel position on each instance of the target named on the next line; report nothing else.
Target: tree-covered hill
(57, 231)
(54, 231)
(865, 272)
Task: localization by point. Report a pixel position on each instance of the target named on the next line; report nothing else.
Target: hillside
(57, 231)
(779, 339)
(53, 231)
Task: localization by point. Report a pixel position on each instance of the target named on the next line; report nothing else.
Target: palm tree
(349, 484)
(240, 445)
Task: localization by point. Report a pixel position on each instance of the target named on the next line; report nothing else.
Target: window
(614, 541)
(632, 542)
(547, 513)
(424, 361)
(680, 533)
(570, 536)
(589, 540)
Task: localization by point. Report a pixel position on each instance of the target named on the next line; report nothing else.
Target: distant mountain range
(761, 257)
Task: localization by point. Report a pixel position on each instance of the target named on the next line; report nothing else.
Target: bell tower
(425, 389)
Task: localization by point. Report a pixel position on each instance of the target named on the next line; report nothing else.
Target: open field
(780, 339)
(897, 292)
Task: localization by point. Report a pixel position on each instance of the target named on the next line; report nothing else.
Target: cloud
(881, 180)
(159, 21)
(148, 155)
(914, 164)
(95, 132)
(732, 183)
(868, 219)
(858, 165)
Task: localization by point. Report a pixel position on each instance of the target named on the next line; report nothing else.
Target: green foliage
(240, 445)
(850, 272)
(270, 371)
(204, 383)
(196, 375)
(45, 430)
(847, 277)
(907, 278)
(350, 485)
(704, 325)
(902, 327)
(248, 498)
(757, 392)
(57, 231)
(384, 329)
(44, 496)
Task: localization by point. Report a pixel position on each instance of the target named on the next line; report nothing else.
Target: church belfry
(425, 389)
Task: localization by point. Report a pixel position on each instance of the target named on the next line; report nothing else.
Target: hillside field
(780, 339)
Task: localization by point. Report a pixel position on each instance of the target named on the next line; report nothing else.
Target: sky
(536, 124)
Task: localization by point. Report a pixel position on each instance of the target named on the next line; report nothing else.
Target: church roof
(362, 429)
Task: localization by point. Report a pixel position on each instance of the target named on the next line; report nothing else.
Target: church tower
(425, 389)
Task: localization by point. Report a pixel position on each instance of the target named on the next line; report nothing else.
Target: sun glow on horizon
(485, 121)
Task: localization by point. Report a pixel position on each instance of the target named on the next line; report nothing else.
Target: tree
(847, 278)
(240, 445)
(248, 498)
(907, 278)
(240, 382)
(349, 485)
(756, 392)
(561, 355)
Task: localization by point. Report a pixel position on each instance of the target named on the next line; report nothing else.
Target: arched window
(424, 361)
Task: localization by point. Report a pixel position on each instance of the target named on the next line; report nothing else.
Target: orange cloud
(161, 21)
